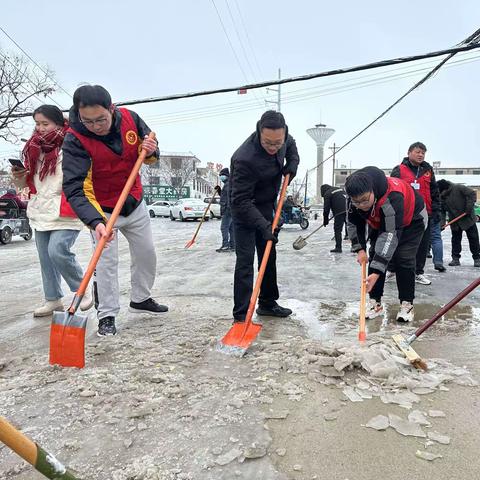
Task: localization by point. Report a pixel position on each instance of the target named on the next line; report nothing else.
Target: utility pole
(334, 149)
(279, 93)
(306, 187)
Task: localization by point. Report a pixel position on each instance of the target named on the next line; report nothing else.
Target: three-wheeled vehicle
(13, 221)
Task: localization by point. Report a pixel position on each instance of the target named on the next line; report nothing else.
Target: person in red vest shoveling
(99, 151)
(397, 218)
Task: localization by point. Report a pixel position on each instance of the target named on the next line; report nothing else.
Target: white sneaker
(48, 308)
(87, 300)
(406, 312)
(389, 276)
(422, 279)
(374, 309)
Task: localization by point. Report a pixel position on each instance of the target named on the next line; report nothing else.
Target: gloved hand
(267, 234)
(325, 222)
(218, 189)
(291, 169)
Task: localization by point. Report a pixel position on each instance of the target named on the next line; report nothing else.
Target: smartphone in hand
(15, 162)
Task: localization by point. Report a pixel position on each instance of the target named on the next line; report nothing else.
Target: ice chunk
(404, 427)
(352, 395)
(436, 413)
(438, 437)
(380, 422)
(427, 455)
(418, 417)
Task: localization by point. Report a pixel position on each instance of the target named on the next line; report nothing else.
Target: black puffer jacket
(335, 199)
(255, 178)
(457, 199)
(224, 195)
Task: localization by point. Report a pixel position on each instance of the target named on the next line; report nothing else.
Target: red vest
(109, 170)
(395, 185)
(423, 182)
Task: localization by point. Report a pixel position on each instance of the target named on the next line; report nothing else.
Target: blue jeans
(226, 228)
(57, 261)
(437, 243)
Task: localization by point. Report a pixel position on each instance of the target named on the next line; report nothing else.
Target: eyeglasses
(101, 122)
(273, 145)
(361, 202)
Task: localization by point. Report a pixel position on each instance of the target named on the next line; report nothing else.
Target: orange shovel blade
(189, 243)
(239, 337)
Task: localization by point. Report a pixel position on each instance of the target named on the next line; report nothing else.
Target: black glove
(291, 169)
(325, 221)
(218, 189)
(267, 234)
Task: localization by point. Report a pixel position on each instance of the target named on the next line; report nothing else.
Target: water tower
(320, 133)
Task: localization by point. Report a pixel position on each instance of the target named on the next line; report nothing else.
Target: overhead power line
(35, 63)
(302, 78)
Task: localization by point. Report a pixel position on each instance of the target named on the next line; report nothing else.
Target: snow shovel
(300, 242)
(42, 461)
(242, 334)
(362, 336)
(454, 220)
(67, 333)
(192, 241)
(404, 343)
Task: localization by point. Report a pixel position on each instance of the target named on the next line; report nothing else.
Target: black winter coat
(456, 200)
(225, 197)
(335, 199)
(255, 178)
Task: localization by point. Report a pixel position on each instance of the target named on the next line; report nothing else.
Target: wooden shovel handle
(363, 302)
(18, 442)
(454, 220)
(111, 221)
(203, 217)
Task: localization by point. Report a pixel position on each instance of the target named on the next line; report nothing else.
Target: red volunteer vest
(109, 170)
(395, 185)
(423, 184)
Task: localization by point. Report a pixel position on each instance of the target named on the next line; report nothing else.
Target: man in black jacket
(226, 227)
(255, 177)
(458, 199)
(334, 199)
(99, 151)
(419, 174)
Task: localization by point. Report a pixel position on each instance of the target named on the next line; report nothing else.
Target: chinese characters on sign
(152, 193)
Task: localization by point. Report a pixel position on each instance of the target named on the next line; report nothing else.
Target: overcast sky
(154, 48)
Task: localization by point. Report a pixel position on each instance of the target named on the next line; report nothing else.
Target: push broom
(192, 241)
(42, 461)
(67, 332)
(404, 344)
(242, 334)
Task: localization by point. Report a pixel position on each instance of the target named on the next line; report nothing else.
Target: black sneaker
(273, 310)
(106, 327)
(454, 263)
(147, 306)
(222, 249)
(476, 262)
(429, 255)
(440, 268)
(336, 250)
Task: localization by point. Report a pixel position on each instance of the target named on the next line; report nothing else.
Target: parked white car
(214, 207)
(188, 208)
(160, 208)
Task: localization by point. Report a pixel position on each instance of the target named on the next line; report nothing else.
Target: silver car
(188, 208)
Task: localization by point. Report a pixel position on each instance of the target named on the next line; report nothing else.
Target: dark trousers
(403, 262)
(247, 240)
(338, 223)
(226, 228)
(473, 241)
(423, 249)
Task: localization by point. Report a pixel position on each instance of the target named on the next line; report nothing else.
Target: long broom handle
(444, 310)
(31, 452)
(363, 304)
(454, 220)
(266, 254)
(111, 221)
(203, 217)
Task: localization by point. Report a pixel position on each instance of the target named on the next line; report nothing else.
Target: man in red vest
(99, 151)
(396, 216)
(419, 174)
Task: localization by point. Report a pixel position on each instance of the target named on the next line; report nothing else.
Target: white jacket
(43, 208)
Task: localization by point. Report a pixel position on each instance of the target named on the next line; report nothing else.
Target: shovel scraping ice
(67, 332)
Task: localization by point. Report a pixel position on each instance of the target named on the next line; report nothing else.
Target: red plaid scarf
(48, 144)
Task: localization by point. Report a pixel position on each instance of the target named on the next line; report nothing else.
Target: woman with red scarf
(55, 224)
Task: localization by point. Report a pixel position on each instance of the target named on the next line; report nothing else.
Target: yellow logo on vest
(131, 137)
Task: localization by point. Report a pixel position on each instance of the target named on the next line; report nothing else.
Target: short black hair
(90, 96)
(358, 183)
(443, 185)
(419, 145)
(53, 113)
(272, 119)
